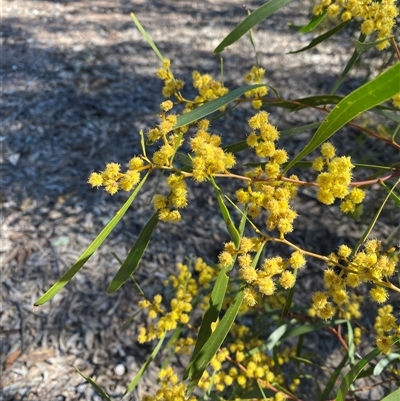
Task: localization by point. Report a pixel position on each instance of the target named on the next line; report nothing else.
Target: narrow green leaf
(63, 281)
(387, 360)
(306, 361)
(321, 38)
(196, 367)
(352, 349)
(275, 337)
(294, 104)
(262, 391)
(351, 376)
(99, 390)
(391, 116)
(395, 396)
(234, 233)
(251, 37)
(183, 159)
(373, 220)
(353, 60)
(243, 219)
(298, 130)
(287, 331)
(368, 372)
(249, 22)
(362, 47)
(312, 101)
(248, 394)
(212, 106)
(135, 255)
(236, 147)
(380, 89)
(307, 328)
(392, 194)
(146, 36)
(144, 367)
(283, 389)
(332, 380)
(211, 315)
(142, 142)
(315, 21)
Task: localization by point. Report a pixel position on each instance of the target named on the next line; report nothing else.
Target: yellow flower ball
(287, 280)
(379, 294)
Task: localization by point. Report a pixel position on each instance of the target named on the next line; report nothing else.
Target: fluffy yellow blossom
(327, 312)
(297, 260)
(328, 150)
(208, 89)
(171, 85)
(384, 343)
(209, 158)
(379, 294)
(166, 106)
(396, 100)
(339, 296)
(318, 163)
(320, 300)
(129, 180)
(376, 16)
(171, 389)
(112, 179)
(256, 76)
(111, 187)
(344, 251)
(135, 163)
(266, 285)
(333, 10)
(246, 244)
(225, 259)
(287, 279)
(334, 183)
(95, 180)
(245, 261)
(249, 274)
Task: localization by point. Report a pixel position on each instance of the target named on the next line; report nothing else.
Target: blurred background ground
(78, 83)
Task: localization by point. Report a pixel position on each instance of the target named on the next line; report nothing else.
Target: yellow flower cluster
(208, 88)
(112, 179)
(163, 156)
(254, 365)
(171, 85)
(396, 100)
(264, 142)
(171, 389)
(184, 345)
(263, 279)
(386, 328)
(163, 128)
(266, 191)
(378, 16)
(206, 273)
(209, 158)
(273, 197)
(366, 266)
(177, 199)
(256, 76)
(334, 182)
(185, 287)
